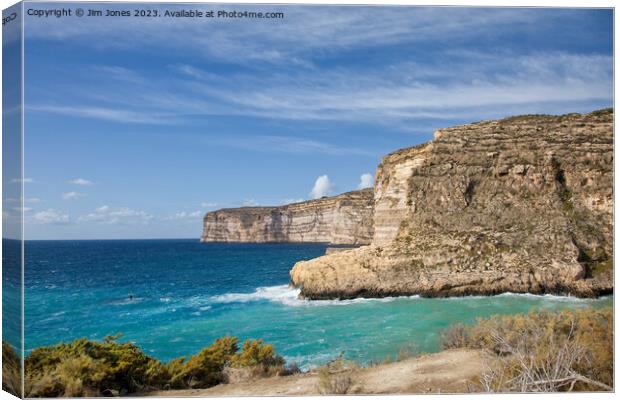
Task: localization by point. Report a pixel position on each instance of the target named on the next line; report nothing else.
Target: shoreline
(448, 294)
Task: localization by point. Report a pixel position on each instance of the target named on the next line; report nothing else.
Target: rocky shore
(522, 204)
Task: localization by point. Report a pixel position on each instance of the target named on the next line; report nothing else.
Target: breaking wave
(288, 295)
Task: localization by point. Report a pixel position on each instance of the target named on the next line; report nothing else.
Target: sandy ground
(446, 372)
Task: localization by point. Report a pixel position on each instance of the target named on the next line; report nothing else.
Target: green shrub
(256, 353)
(84, 368)
(206, 368)
(89, 368)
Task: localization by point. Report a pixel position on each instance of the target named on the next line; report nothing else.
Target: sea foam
(289, 296)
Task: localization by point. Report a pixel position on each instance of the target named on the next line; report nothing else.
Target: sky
(135, 127)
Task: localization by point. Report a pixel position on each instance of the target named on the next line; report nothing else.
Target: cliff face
(343, 219)
(522, 204)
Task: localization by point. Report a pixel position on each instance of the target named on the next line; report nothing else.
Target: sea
(174, 297)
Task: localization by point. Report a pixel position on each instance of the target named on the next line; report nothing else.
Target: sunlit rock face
(522, 204)
(343, 219)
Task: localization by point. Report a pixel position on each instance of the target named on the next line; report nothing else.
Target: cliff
(522, 204)
(343, 219)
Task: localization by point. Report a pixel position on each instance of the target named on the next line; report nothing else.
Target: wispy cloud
(108, 215)
(472, 85)
(305, 29)
(52, 217)
(185, 215)
(25, 180)
(27, 200)
(72, 195)
(81, 182)
(280, 74)
(288, 144)
(110, 114)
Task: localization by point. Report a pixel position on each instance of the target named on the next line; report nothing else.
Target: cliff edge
(522, 204)
(343, 219)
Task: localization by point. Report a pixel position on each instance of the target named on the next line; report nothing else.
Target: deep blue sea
(186, 294)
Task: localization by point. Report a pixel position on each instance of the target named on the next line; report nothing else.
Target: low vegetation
(336, 377)
(542, 351)
(11, 375)
(91, 368)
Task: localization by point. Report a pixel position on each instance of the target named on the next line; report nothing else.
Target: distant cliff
(343, 219)
(522, 204)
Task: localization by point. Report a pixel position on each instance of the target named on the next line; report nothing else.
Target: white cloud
(108, 215)
(322, 187)
(25, 209)
(25, 180)
(208, 205)
(366, 181)
(72, 195)
(52, 217)
(81, 182)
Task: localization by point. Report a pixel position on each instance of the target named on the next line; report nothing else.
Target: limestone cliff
(522, 204)
(343, 219)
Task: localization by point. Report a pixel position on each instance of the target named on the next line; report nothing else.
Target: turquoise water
(186, 294)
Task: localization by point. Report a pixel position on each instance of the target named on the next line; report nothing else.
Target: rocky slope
(522, 204)
(343, 219)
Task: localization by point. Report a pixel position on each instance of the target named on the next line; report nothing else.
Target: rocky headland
(344, 219)
(522, 204)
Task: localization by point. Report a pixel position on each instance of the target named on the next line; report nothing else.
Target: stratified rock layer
(522, 204)
(343, 219)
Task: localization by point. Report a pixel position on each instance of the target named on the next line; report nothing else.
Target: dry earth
(450, 371)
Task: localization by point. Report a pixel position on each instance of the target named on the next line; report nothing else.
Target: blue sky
(136, 127)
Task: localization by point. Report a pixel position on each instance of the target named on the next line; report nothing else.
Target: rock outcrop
(522, 204)
(343, 219)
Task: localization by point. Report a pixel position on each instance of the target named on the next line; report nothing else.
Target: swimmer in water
(130, 296)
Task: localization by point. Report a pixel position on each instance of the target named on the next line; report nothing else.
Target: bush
(85, 368)
(256, 359)
(336, 377)
(206, 368)
(256, 353)
(543, 351)
(454, 337)
(88, 368)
